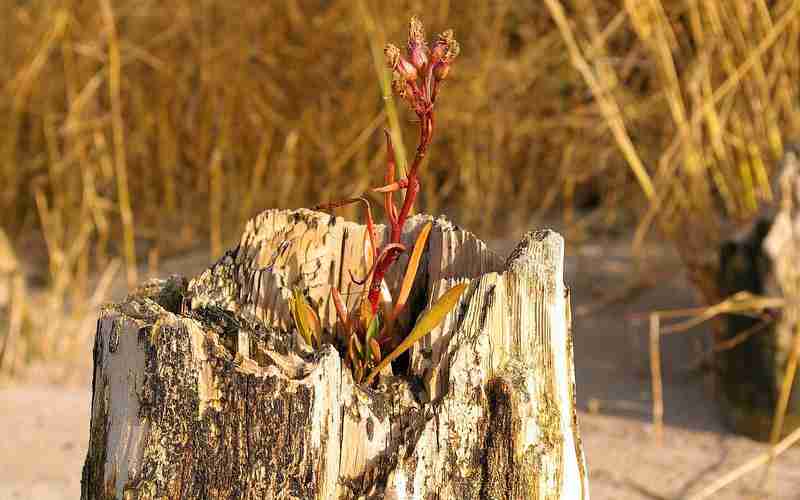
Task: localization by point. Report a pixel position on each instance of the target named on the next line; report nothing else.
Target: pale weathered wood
(204, 390)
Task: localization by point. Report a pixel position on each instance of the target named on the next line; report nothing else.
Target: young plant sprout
(370, 328)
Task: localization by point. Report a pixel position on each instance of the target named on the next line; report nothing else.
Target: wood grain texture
(202, 389)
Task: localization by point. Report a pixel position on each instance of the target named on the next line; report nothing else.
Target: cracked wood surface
(202, 391)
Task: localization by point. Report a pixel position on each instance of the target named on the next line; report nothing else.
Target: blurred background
(134, 133)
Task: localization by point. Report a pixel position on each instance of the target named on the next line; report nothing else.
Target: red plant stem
(388, 197)
(412, 189)
(370, 222)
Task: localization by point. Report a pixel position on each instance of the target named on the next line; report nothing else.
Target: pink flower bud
(444, 46)
(446, 36)
(418, 55)
(417, 48)
(453, 49)
(401, 88)
(398, 85)
(406, 69)
(392, 55)
(398, 63)
(438, 52)
(441, 70)
(416, 32)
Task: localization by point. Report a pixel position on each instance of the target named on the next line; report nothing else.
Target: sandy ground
(44, 428)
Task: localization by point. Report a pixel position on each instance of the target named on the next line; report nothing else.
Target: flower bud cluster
(416, 77)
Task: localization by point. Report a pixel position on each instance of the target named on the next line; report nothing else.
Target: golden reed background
(141, 128)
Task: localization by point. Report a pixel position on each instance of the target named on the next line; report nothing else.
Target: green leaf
(426, 323)
(306, 319)
(298, 321)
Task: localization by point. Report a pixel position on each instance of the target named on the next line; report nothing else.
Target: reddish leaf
(411, 269)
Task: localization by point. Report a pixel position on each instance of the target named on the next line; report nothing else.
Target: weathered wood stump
(765, 261)
(202, 390)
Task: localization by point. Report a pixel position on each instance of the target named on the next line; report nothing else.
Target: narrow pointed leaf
(355, 345)
(391, 187)
(351, 351)
(341, 310)
(428, 322)
(299, 318)
(358, 371)
(411, 269)
(372, 332)
(375, 348)
(307, 319)
(370, 228)
(365, 315)
(312, 322)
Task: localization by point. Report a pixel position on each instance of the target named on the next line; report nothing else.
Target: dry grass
(719, 80)
(138, 129)
(129, 119)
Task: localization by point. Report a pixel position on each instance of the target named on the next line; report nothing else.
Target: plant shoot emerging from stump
(369, 329)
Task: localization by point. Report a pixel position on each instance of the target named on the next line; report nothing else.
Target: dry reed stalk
(120, 161)
(752, 59)
(741, 337)
(357, 146)
(655, 377)
(608, 105)
(20, 89)
(377, 41)
(741, 303)
(257, 177)
(215, 203)
(649, 19)
(167, 155)
(747, 467)
(102, 206)
(55, 252)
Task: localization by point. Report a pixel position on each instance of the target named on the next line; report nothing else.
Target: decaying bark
(203, 390)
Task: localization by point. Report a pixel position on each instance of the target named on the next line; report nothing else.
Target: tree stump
(763, 261)
(202, 389)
